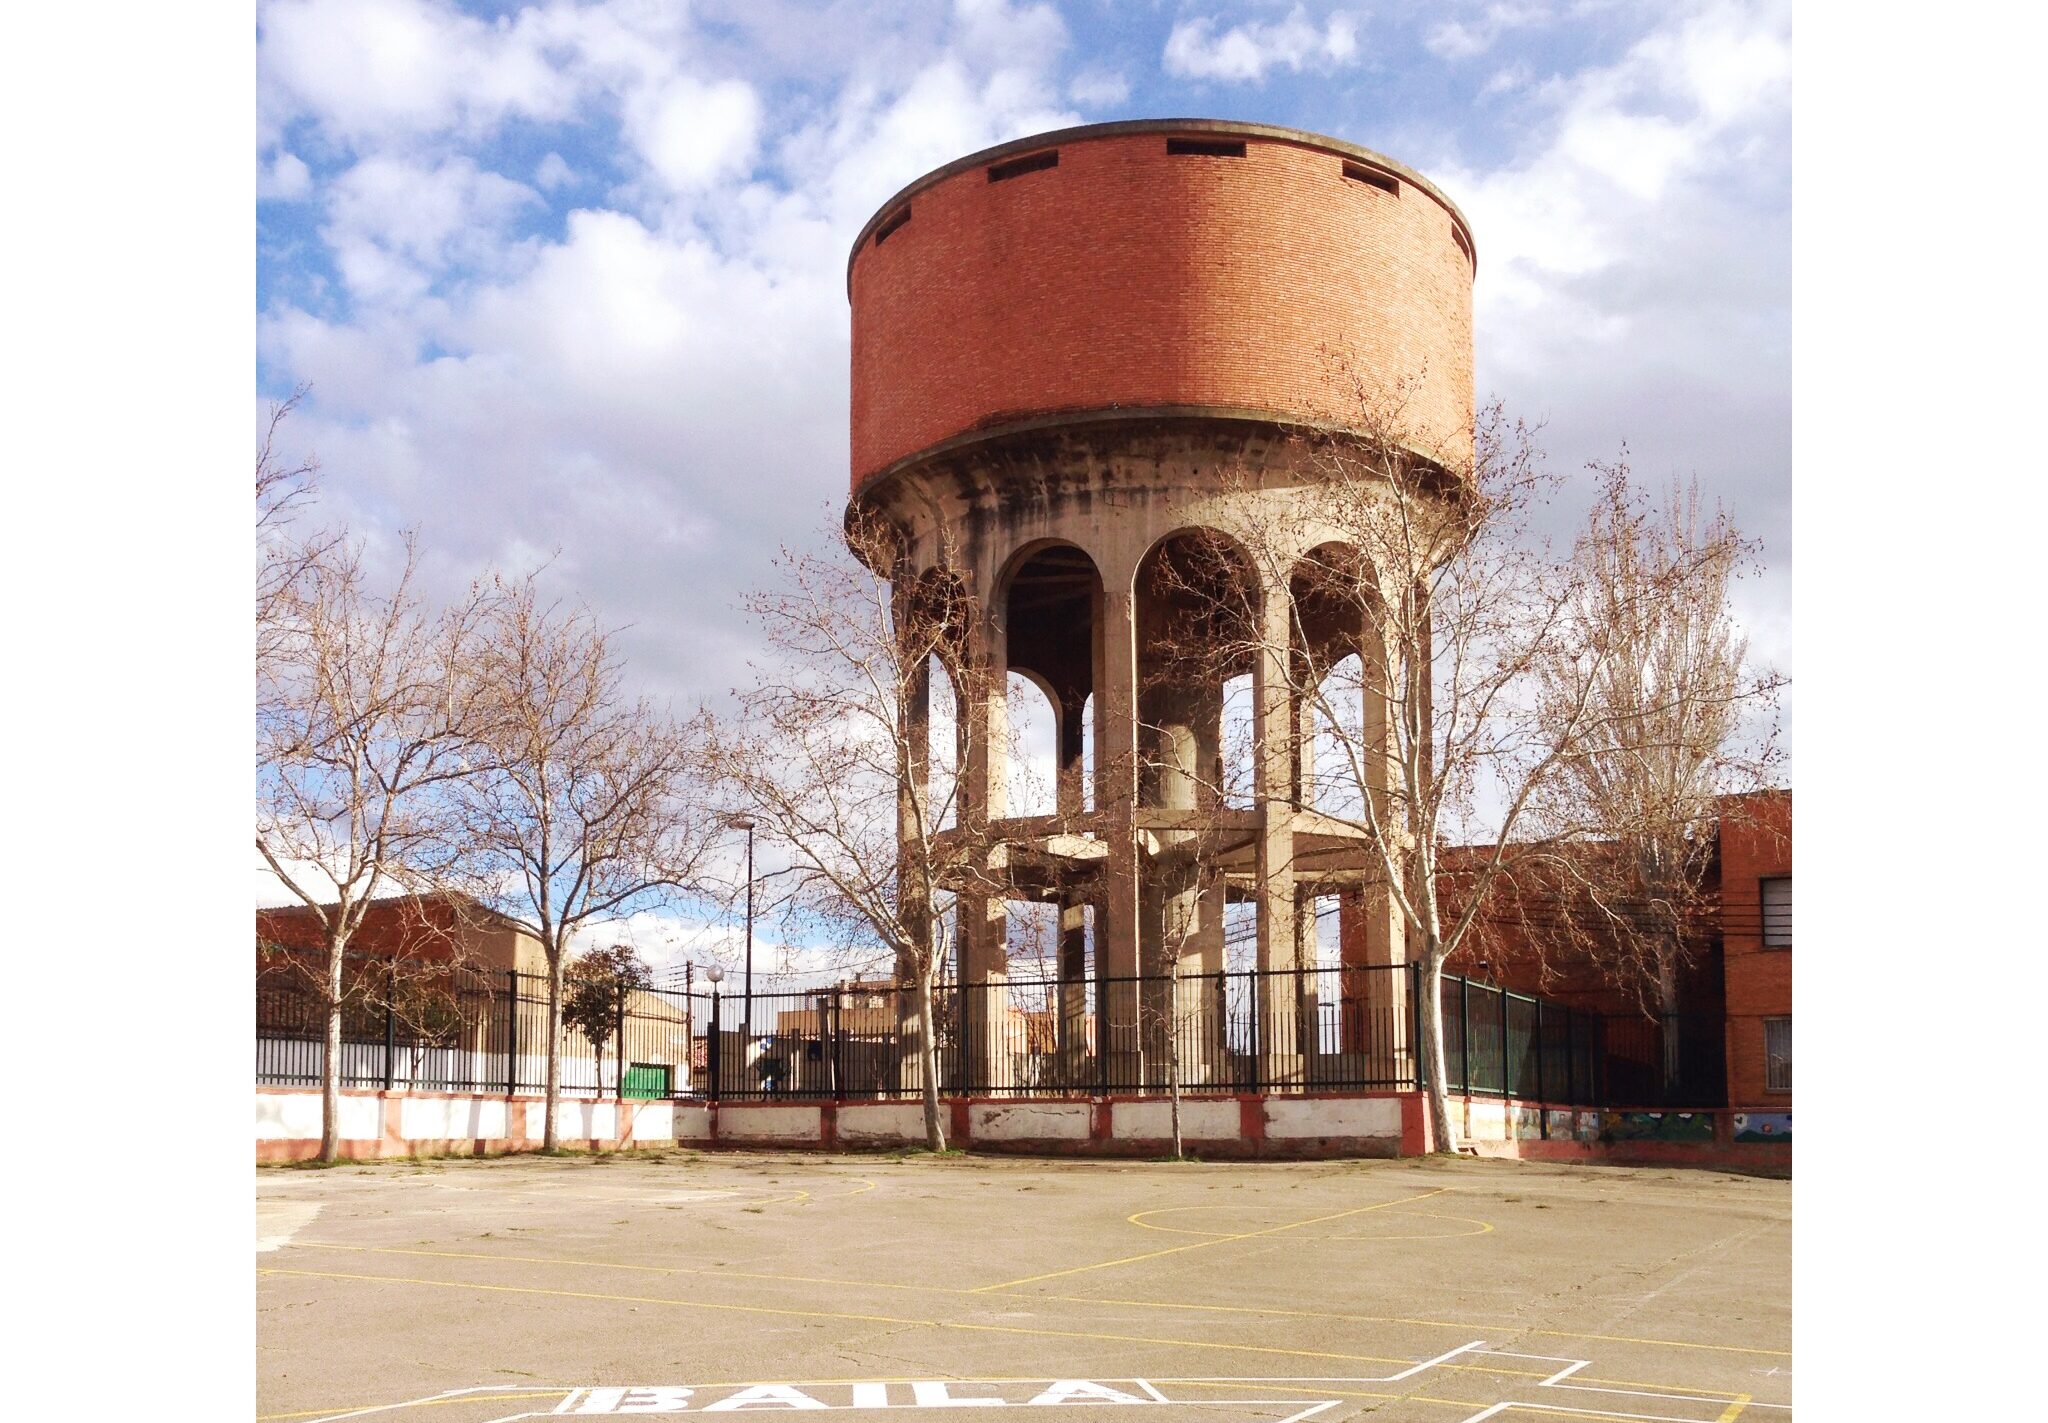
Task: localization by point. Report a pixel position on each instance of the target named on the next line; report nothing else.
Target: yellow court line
(948, 1324)
(1404, 1319)
(1734, 1410)
(1462, 1325)
(412, 1403)
(1204, 1244)
(1485, 1227)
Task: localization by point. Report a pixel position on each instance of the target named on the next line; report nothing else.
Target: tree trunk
(928, 1044)
(330, 1063)
(1436, 1089)
(1667, 1005)
(1173, 1084)
(550, 1136)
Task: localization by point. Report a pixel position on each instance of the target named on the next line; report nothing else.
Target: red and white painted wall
(395, 1124)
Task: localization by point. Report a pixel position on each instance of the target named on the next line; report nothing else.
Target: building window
(1776, 895)
(1777, 1054)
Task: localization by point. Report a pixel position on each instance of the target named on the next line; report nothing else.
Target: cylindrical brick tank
(1191, 266)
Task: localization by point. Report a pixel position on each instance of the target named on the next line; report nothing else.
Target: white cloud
(394, 225)
(1634, 276)
(365, 69)
(1099, 88)
(660, 394)
(553, 172)
(1244, 52)
(693, 134)
(1462, 39)
(284, 179)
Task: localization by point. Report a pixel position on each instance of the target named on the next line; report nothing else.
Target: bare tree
(365, 708)
(828, 753)
(1438, 732)
(284, 555)
(1665, 743)
(582, 807)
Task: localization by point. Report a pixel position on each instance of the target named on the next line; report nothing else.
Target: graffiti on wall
(1763, 1126)
(1658, 1126)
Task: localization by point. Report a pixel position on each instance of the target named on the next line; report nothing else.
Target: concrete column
(1072, 962)
(1375, 939)
(1116, 794)
(912, 792)
(983, 729)
(1209, 1040)
(1276, 765)
(1171, 908)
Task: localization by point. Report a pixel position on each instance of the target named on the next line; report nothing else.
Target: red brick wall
(1756, 843)
(425, 927)
(1130, 277)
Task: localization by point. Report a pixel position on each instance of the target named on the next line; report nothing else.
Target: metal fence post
(1465, 1034)
(511, 1032)
(711, 1052)
(1220, 1036)
(1258, 1005)
(619, 1051)
(1506, 1077)
(1571, 1060)
(838, 1033)
(1418, 1061)
(1543, 1117)
(390, 1029)
(1102, 993)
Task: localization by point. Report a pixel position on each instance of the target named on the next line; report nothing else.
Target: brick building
(1735, 989)
(424, 928)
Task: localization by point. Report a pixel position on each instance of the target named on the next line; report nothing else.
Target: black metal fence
(1344, 1028)
(460, 1030)
(1500, 1043)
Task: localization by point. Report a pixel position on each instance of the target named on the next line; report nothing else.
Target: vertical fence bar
(1258, 998)
(838, 1040)
(390, 1029)
(1417, 1060)
(1102, 1031)
(511, 1032)
(1543, 1117)
(1465, 1034)
(711, 1048)
(1505, 1082)
(619, 1052)
(1571, 1060)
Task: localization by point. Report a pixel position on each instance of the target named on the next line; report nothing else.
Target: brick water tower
(1068, 351)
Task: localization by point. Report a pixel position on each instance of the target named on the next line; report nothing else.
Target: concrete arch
(1049, 601)
(1336, 600)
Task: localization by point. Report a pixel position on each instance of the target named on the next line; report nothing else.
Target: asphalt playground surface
(1444, 1291)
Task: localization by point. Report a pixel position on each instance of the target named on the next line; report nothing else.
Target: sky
(566, 281)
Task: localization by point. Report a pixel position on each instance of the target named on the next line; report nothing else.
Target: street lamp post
(712, 1051)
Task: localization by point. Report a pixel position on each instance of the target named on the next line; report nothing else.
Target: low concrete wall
(1201, 1119)
(1333, 1117)
(1533, 1131)
(799, 1124)
(881, 1123)
(1012, 1123)
(376, 1125)
(390, 1124)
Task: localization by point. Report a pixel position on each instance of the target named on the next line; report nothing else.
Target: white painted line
(443, 1396)
(1582, 1412)
(1432, 1363)
(1141, 1383)
(1310, 1412)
